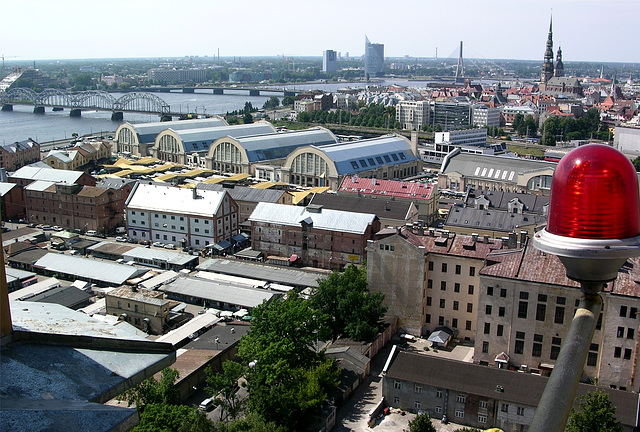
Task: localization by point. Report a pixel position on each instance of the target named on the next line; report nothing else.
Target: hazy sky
(588, 30)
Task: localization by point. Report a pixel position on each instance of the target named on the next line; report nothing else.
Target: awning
(293, 258)
(239, 238)
(221, 245)
(502, 358)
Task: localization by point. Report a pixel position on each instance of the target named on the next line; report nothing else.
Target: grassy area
(525, 150)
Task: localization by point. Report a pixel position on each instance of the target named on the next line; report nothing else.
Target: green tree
(636, 163)
(529, 126)
(596, 414)
(272, 103)
(304, 117)
(152, 391)
(349, 308)
(288, 100)
(252, 422)
(518, 124)
(422, 423)
(224, 385)
(161, 417)
(247, 118)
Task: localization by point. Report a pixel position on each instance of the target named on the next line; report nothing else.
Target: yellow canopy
(267, 185)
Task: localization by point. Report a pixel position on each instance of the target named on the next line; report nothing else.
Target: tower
(329, 61)
(373, 59)
(559, 72)
(460, 67)
(547, 66)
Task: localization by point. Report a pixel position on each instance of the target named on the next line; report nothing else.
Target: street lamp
(593, 228)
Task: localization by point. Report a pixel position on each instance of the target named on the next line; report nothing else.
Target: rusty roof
(452, 244)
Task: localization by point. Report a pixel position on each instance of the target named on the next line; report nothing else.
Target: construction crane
(3, 57)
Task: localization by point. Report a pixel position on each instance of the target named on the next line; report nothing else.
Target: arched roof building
(136, 139)
(175, 145)
(241, 154)
(385, 157)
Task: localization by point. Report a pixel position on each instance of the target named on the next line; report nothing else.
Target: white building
(484, 116)
(627, 139)
(463, 137)
(329, 61)
(192, 218)
(413, 115)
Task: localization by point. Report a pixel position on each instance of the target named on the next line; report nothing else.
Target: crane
(3, 57)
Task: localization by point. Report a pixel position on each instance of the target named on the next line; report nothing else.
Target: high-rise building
(373, 59)
(329, 61)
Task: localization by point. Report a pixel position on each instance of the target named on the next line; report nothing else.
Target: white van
(91, 233)
(207, 404)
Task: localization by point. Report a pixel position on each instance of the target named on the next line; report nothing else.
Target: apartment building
(193, 218)
(78, 156)
(142, 308)
(18, 154)
(412, 115)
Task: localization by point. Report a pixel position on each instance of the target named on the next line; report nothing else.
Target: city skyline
(69, 29)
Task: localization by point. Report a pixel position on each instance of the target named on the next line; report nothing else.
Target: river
(21, 124)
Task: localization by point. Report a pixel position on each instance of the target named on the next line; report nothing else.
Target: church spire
(547, 66)
(559, 72)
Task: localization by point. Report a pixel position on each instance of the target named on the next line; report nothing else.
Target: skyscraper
(329, 61)
(373, 59)
(547, 66)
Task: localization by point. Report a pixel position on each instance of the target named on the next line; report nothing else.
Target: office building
(373, 59)
(329, 61)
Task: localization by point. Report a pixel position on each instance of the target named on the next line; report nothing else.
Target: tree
(518, 124)
(160, 417)
(224, 385)
(272, 103)
(422, 423)
(597, 414)
(288, 100)
(636, 163)
(344, 301)
(252, 422)
(152, 391)
(247, 118)
(530, 126)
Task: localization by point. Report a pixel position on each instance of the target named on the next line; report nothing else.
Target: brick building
(20, 153)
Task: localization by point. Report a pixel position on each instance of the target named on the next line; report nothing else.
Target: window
(592, 359)
(471, 289)
(561, 300)
(559, 317)
(444, 267)
(537, 350)
(418, 388)
(627, 354)
(620, 331)
(617, 352)
(504, 407)
(467, 325)
(523, 306)
(461, 398)
(541, 311)
(458, 269)
(633, 312)
(623, 311)
(489, 290)
(630, 333)
(397, 385)
(519, 347)
(520, 411)
(487, 328)
(428, 301)
(429, 283)
(524, 295)
(487, 309)
(442, 303)
(440, 320)
(482, 418)
(438, 410)
(417, 405)
(500, 331)
(503, 292)
(472, 271)
(427, 318)
(396, 400)
(454, 323)
(501, 311)
(455, 305)
(439, 393)
(470, 307)
(555, 347)
(430, 265)
(459, 413)
(443, 285)
(542, 298)
(485, 347)
(483, 404)
(456, 287)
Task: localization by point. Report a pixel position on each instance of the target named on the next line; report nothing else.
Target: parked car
(57, 228)
(47, 227)
(158, 244)
(121, 239)
(207, 404)
(169, 246)
(92, 233)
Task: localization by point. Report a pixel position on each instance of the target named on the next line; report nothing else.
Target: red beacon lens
(594, 195)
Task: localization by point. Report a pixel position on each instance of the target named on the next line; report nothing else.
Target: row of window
(458, 269)
(456, 304)
(454, 322)
(456, 286)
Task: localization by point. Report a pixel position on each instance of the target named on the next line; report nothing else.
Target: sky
(587, 30)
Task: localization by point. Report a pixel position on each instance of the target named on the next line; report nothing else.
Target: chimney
(505, 241)
(373, 181)
(474, 237)
(414, 143)
(399, 230)
(513, 240)
(195, 193)
(420, 230)
(408, 226)
(523, 238)
(486, 239)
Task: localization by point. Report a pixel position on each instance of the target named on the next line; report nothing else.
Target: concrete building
(465, 137)
(177, 76)
(627, 140)
(137, 139)
(329, 61)
(461, 171)
(373, 59)
(312, 236)
(412, 115)
(146, 310)
(385, 157)
(192, 218)
(484, 116)
(20, 153)
(430, 279)
(509, 112)
(477, 396)
(242, 154)
(451, 115)
(174, 145)
(74, 206)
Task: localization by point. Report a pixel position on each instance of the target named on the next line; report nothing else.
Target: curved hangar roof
(357, 156)
(198, 140)
(147, 132)
(278, 145)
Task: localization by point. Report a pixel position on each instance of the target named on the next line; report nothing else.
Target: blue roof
(357, 156)
(279, 145)
(199, 140)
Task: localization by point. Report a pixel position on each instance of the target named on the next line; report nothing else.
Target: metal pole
(558, 396)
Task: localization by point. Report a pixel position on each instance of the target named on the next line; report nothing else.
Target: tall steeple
(559, 72)
(547, 66)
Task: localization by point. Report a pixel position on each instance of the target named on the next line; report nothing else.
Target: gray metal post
(558, 396)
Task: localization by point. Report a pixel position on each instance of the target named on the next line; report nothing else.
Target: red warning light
(594, 195)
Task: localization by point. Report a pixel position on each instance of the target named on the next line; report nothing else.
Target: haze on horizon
(587, 30)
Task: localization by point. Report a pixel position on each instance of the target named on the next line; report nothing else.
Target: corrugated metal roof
(6, 187)
(147, 131)
(326, 219)
(39, 185)
(213, 291)
(243, 193)
(49, 174)
(489, 167)
(178, 200)
(387, 188)
(112, 273)
(155, 255)
(203, 137)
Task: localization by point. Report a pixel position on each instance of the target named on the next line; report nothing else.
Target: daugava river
(21, 123)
